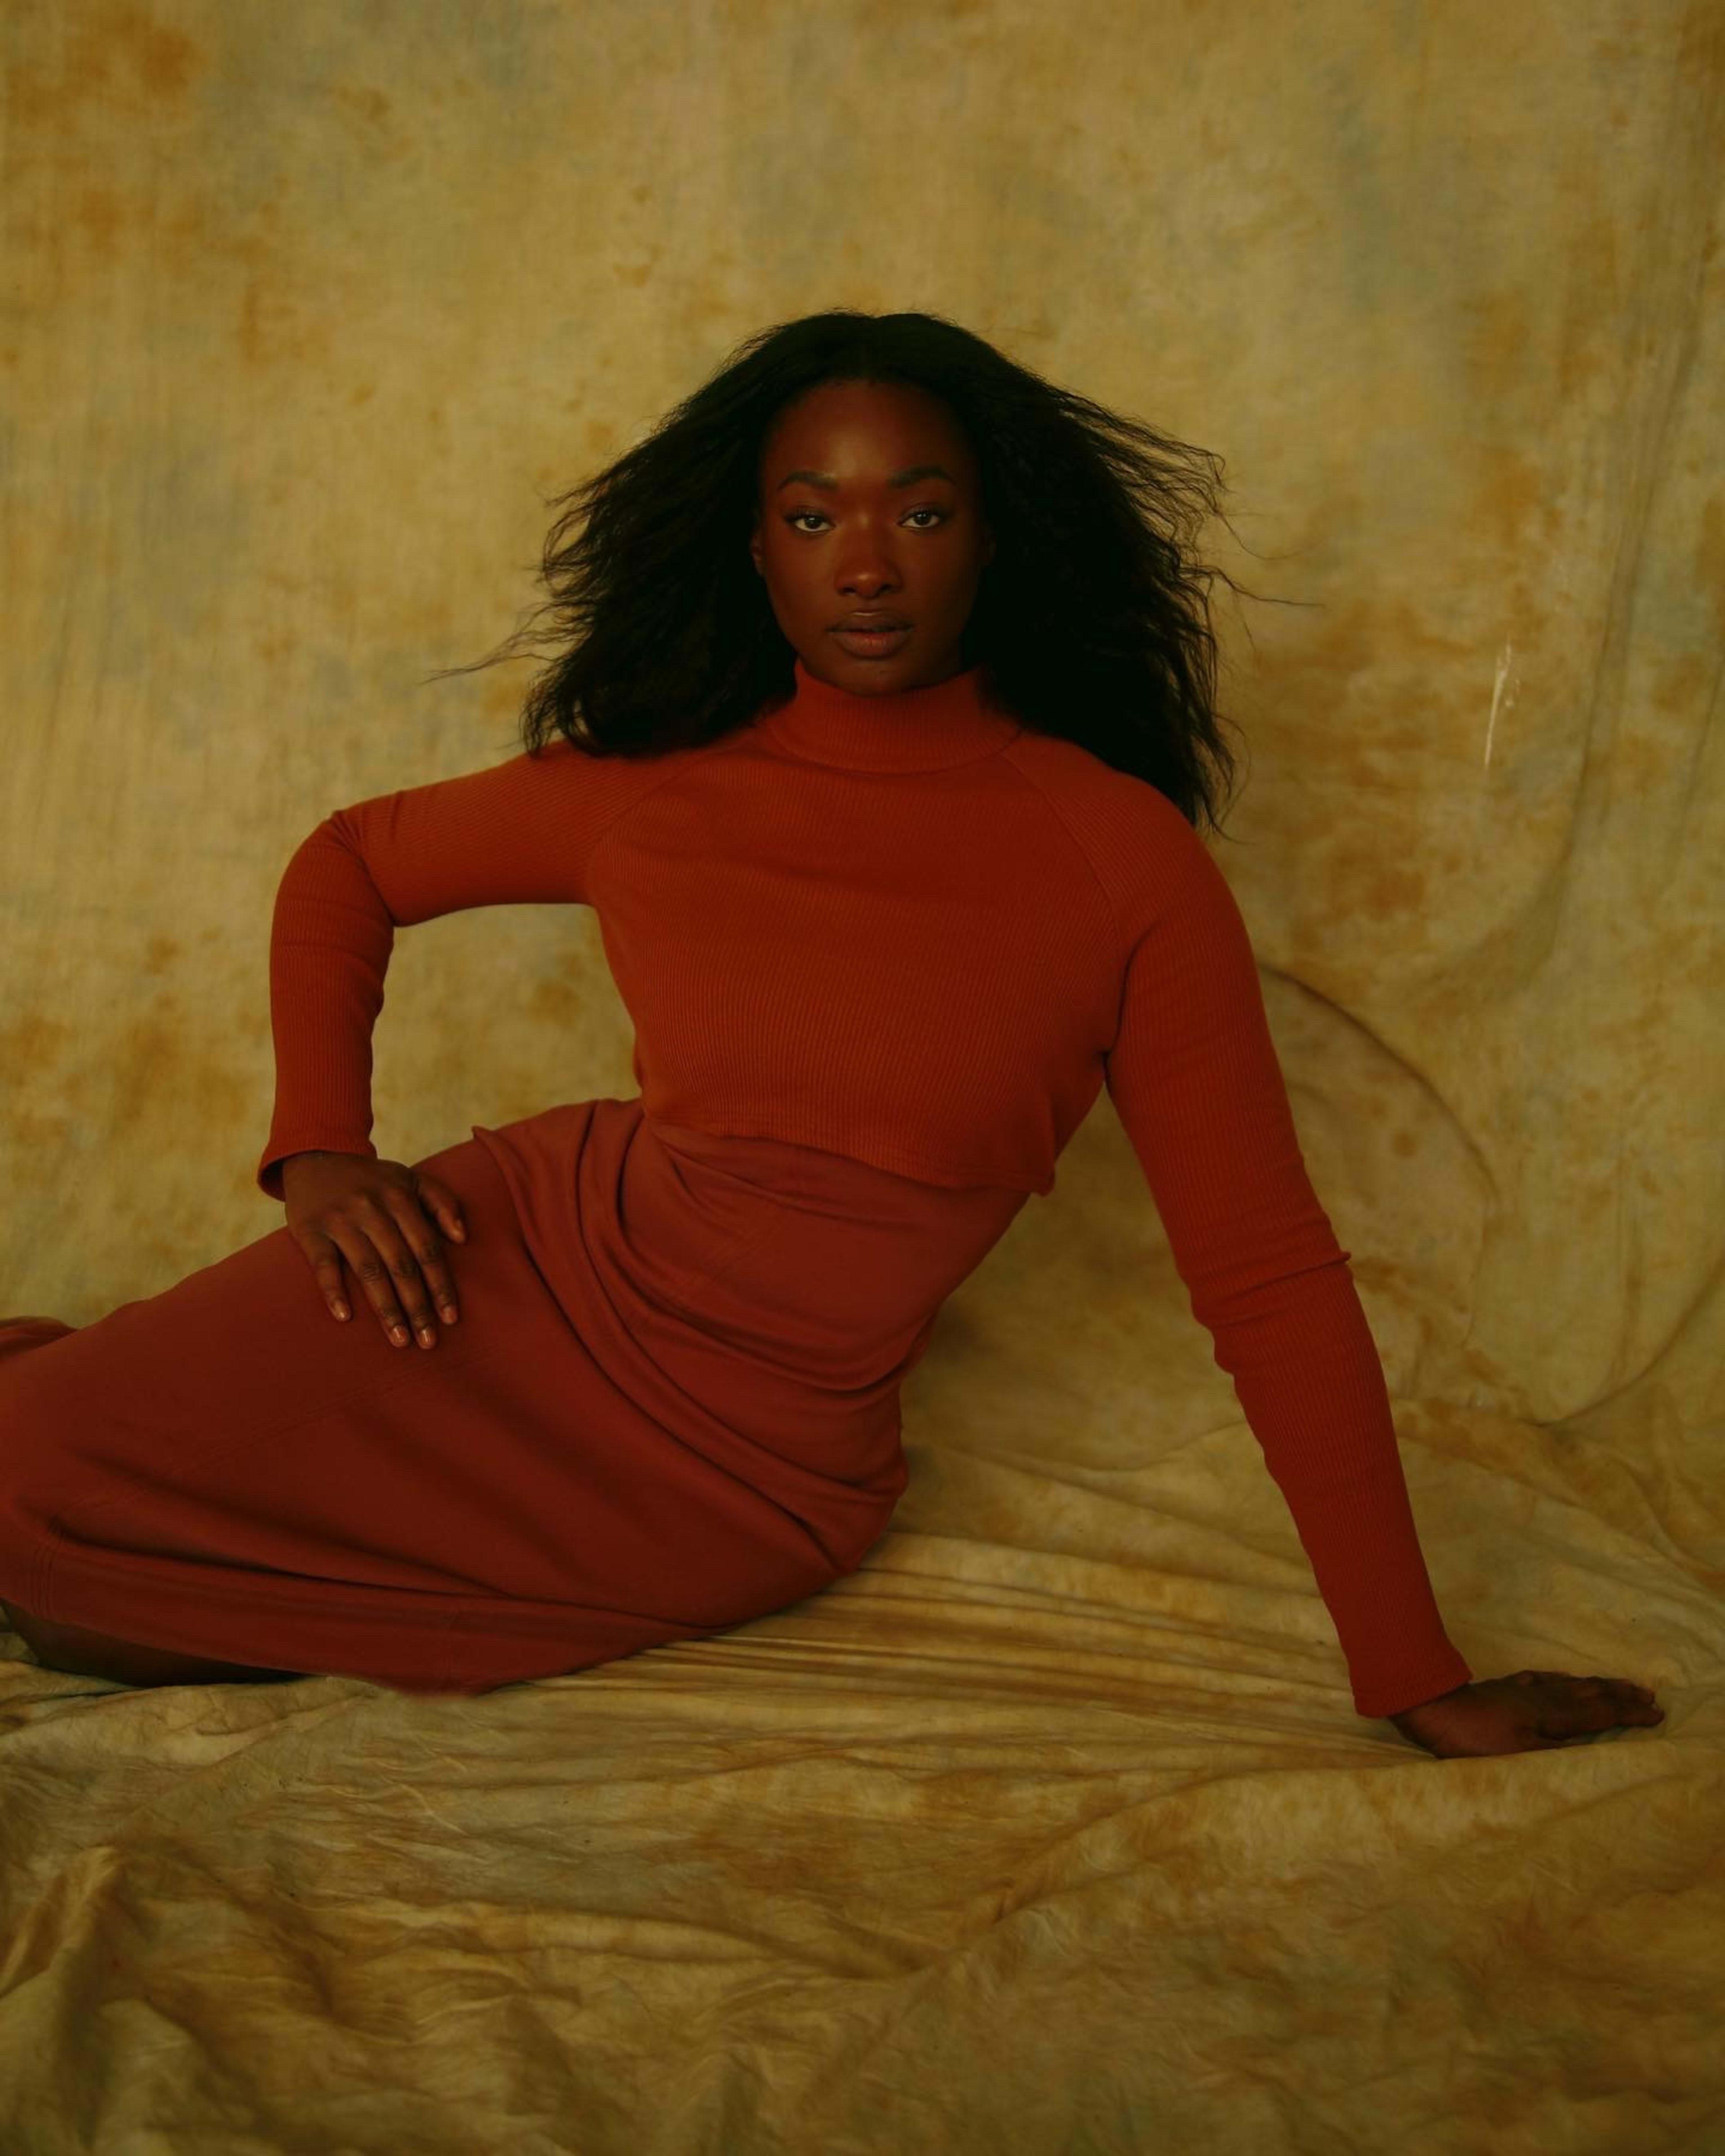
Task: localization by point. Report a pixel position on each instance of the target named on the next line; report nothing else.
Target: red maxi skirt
(670, 1404)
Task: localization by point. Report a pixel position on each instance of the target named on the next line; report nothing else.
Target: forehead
(854, 429)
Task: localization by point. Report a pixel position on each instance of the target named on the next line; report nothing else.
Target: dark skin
(919, 549)
(865, 543)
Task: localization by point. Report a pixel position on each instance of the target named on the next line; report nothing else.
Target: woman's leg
(82, 1653)
(74, 1649)
(223, 1464)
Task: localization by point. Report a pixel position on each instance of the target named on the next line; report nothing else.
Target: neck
(927, 728)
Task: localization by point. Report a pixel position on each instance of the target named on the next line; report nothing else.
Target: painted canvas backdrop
(1054, 1826)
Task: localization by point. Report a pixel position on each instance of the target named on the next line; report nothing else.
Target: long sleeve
(520, 833)
(1195, 1076)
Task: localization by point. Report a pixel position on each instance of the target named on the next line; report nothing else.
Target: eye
(797, 515)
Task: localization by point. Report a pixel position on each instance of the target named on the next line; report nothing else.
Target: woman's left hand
(1531, 1712)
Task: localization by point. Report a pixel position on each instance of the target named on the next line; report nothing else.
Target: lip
(872, 643)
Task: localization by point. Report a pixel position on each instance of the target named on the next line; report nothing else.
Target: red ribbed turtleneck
(907, 929)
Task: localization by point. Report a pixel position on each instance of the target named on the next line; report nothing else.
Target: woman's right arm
(521, 832)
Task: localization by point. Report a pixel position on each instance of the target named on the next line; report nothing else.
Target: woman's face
(915, 550)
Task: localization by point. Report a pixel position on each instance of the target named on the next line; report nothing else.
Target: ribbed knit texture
(905, 928)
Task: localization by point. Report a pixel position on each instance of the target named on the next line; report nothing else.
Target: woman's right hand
(384, 1219)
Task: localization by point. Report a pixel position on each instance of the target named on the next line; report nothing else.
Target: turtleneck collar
(927, 729)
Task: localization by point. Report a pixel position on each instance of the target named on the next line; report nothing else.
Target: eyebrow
(908, 477)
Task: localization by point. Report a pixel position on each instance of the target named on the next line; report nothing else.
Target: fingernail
(449, 1309)
(428, 1336)
(398, 1334)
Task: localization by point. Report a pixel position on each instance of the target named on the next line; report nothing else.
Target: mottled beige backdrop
(310, 309)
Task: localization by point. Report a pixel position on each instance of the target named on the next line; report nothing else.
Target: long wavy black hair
(1091, 621)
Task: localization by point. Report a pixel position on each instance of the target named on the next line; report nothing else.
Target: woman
(878, 746)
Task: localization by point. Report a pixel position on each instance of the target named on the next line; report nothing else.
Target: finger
(444, 1205)
(1625, 1688)
(325, 1262)
(1579, 1713)
(369, 1265)
(390, 1234)
(1613, 1698)
(1628, 1704)
(419, 1233)
(1636, 1704)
